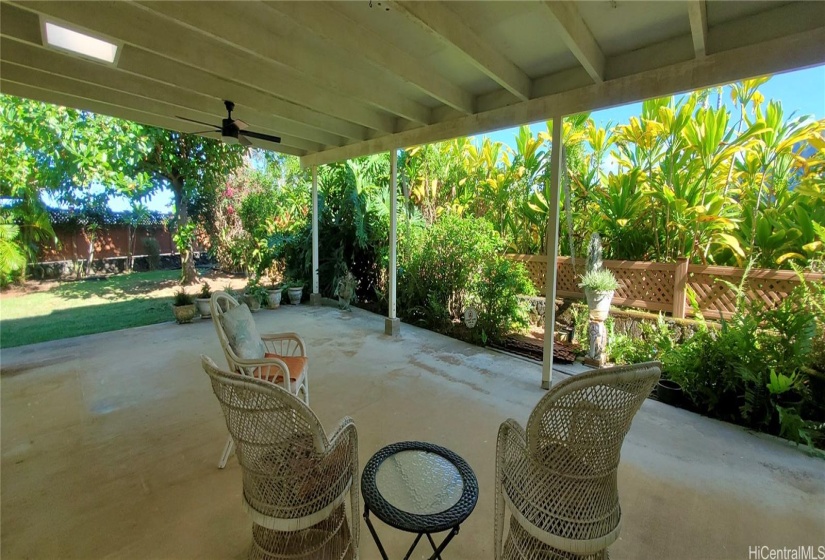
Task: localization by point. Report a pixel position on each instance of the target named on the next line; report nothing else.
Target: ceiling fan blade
(206, 131)
(198, 122)
(259, 136)
(243, 140)
(240, 124)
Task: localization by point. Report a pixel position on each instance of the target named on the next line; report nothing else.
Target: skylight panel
(73, 41)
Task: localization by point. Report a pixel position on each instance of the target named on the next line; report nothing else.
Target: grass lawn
(67, 309)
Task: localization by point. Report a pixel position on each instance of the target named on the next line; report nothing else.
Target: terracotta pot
(203, 307)
(184, 313)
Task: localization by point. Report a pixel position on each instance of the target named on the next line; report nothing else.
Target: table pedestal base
(437, 550)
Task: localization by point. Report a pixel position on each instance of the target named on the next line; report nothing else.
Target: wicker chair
(295, 480)
(273, 367)
(558, 479)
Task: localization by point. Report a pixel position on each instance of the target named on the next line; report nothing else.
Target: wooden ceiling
(337, 80)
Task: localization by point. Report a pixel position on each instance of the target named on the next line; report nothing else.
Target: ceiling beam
(442, 22)
(323, 20)
(698, 13)
(47, 60)
(578, 38)
(79, 89)
(798, 50)
(130, 24)
(55, 98)
(229, 23)
(24, 26)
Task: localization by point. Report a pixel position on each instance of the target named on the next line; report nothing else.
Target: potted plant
(183, 306)
(202, 302)
(295, 291)
(669, 392)
(255, 295)
(274, 297)
(598, 282)
(599, 286)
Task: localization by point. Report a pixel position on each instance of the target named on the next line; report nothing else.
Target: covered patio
(110, 444)
(336, 81)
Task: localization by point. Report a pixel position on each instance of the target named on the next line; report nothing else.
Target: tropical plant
(602, 280)
(12, 258)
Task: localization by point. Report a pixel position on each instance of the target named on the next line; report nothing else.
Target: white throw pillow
(242, 333)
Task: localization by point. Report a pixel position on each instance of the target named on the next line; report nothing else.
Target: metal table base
(437, 550)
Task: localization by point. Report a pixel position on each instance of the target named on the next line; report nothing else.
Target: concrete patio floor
(110, 444)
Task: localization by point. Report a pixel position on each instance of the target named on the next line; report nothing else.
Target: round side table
(419, 488)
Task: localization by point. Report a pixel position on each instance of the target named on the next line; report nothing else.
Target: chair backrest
(219, 303)
(589, 416)
(278, 441)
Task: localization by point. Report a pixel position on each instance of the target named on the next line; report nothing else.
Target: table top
(419, 487)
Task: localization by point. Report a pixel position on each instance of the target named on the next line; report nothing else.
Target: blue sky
(802, 92)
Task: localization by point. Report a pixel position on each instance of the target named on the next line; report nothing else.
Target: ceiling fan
(234, 131)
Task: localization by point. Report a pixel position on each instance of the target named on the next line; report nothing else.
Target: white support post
(552, 237)
(315, 296)
(392, 325)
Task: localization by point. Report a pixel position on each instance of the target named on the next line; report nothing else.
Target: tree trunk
(187, 265)
(91, 237)
(130, 245)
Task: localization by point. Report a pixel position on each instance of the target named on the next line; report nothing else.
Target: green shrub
(495, 292)
(727, 373)
(455, 263)
(442, 268)
(152, 248)
(653, 342)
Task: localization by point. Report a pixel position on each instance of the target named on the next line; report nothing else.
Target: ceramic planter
(184, 313)
(669, 392)
(253, 302)
(203, 307)
(274, 298)
(599, 303)
(295, 294)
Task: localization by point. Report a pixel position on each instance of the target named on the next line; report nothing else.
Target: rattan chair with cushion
(296, 481)
(558, 478)
(278, 358)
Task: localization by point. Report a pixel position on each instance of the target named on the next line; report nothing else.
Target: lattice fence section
(657, 286)
(644, 285)
(536, 266)
(716, 299)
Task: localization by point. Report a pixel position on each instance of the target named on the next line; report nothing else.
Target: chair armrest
(262, 368)
(285, 344)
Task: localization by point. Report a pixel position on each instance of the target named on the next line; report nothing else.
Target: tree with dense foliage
(193, 167)
(69, 153)
(61, 151)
